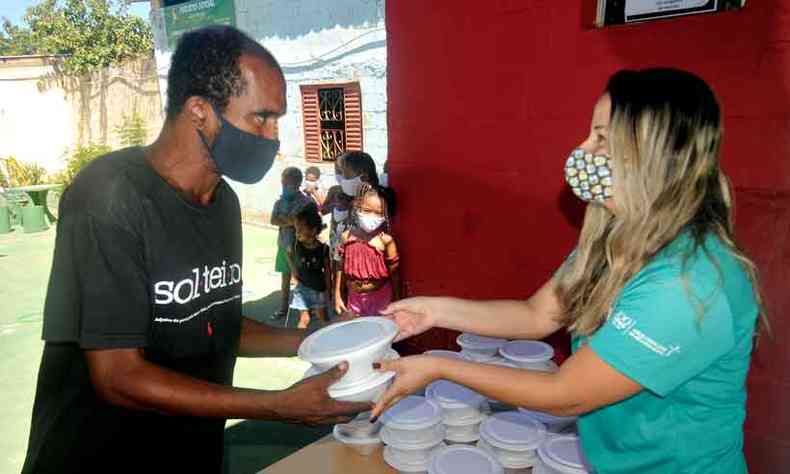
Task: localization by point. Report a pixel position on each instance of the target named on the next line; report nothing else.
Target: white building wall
(315, 41)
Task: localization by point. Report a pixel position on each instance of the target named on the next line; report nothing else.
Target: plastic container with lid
(443, 353)
(513, 438)
(535, 355)
(412, 421)
(462, 459)
(459, 403)
(464, 431)
(368, 390)
(479, 358)
(360, 426)
(364, 445)
(554, 424)
(409, 464)
(561, 455)
(479, 345)
(360, 342)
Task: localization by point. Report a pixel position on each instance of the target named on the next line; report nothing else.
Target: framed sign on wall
(620, 12)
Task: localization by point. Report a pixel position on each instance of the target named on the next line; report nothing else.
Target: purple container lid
(460, 459)
(527, 351)
(564, 453)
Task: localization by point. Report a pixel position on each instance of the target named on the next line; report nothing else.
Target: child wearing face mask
(311, 185)
(310, 259)
(369, 256)
(283, 215)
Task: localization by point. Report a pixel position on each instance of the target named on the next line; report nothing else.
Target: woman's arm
(535, 318)
(584, 383)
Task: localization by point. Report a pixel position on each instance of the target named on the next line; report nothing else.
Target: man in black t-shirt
(142, 321)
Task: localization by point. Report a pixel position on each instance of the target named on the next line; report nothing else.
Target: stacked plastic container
(462, 410)
(359, 434)
(413, 432)
(479, 348)
(533, 355)
(561, 455)
(464, 460)
(513, 438)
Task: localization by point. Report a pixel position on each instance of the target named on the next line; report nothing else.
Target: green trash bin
(34, 219)
(5, 220)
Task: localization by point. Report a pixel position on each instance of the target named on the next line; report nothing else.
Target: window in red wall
(332, 120)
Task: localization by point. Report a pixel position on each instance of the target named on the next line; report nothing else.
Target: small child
(312, 185)
(285, 209)
(310, 258)
(369, 267)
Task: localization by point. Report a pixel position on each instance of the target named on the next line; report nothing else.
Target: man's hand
(308, 401)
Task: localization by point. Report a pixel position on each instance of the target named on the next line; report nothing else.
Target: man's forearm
(260, 340)
(138, 384)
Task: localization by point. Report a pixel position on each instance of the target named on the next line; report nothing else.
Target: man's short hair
(293, 174)
(206, 64)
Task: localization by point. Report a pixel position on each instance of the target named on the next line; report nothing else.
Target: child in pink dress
(369, 256)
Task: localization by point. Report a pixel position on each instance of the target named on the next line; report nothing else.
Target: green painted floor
(25, 261)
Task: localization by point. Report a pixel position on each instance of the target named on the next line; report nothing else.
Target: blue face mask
(241, 156)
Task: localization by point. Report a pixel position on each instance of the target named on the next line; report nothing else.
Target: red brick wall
(487, 98)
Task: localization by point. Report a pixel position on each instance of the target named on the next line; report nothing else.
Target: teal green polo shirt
(683, 331)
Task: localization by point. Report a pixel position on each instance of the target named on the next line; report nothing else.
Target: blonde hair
(664, 140)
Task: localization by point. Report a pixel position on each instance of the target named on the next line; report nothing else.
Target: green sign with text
(187, 16)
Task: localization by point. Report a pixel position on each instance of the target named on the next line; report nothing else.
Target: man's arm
(123, 377)
(261, 340)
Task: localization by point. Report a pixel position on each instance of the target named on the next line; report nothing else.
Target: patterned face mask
(590, 176)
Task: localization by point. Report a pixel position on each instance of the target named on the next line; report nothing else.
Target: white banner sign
(636, 10)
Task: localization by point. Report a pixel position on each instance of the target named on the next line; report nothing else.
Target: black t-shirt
(311, 265)
(135, 266)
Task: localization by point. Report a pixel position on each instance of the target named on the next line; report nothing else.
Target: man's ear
(199, 113)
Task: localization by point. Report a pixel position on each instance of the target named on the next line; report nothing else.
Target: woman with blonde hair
(660, 301)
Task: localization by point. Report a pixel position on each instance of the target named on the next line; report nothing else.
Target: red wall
(486, 99)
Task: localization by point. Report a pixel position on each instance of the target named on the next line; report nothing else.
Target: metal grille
(331, 113)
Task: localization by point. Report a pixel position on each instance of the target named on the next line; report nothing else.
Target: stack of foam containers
(464, 460)
(561, 455)
(463, 410)
(413, 432)
(513, 438)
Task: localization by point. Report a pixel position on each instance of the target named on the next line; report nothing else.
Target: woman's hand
(340, 307)
(411, 374)
(413, 316)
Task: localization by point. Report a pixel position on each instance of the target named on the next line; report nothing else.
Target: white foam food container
(535, 355)
(513, 438)
(394, 458)
(360, 342)
(413, 421)
(561, 455)
(460, 459)
(458, 403)
(553, 424)
(481, 345)
(365, 445)
(368, 390)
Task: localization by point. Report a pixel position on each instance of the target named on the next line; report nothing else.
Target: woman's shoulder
(386, 238)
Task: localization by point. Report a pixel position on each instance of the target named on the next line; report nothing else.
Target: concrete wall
(44, 114)
(315, 41)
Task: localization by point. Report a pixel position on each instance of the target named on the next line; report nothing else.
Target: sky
(15, 9)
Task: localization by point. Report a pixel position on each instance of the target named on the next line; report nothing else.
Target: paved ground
(25, 261)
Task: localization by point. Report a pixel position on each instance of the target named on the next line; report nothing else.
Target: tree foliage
(91, 34)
